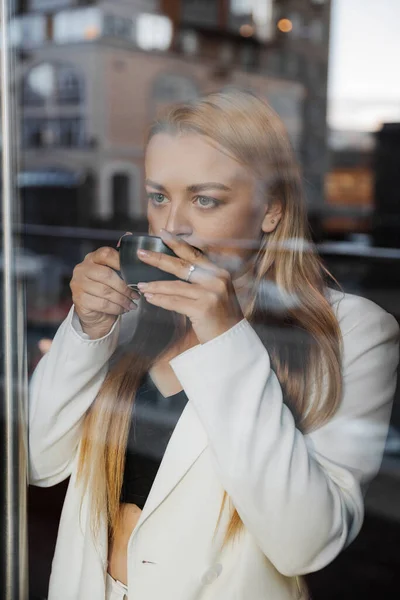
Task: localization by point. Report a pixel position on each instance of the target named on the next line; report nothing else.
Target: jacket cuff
(74, 325)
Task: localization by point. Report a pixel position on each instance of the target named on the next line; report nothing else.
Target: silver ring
(191, 269)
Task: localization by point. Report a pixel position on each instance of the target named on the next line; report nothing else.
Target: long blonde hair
(289, 307)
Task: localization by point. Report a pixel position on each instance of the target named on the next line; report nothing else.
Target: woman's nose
(178, 223)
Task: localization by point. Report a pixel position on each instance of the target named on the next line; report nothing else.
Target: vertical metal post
(13, 530)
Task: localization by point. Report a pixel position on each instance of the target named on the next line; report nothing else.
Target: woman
(287, 383)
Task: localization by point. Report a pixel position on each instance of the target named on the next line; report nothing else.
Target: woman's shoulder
(356, 312)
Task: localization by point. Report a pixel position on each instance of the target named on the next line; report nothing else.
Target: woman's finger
(105, 256)
(183, 306)
(179, 267)
(108, 278)
(101, 305)
(185, 251)
(171, 288)
(102, 291)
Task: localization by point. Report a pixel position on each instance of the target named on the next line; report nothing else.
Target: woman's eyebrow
(155, 185)
(194, 188)
(201, 187)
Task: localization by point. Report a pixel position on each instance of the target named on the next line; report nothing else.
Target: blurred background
(87, 79)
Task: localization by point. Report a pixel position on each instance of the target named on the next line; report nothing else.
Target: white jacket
(299, 496)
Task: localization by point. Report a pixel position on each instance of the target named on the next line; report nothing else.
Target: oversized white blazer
(299, 496)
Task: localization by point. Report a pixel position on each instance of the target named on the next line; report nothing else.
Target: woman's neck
(243, 285)
(162, 373)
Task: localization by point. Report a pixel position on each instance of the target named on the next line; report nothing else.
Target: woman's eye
(206, 202)
(157, 198)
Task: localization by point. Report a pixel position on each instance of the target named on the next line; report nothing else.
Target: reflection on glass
(217, 354)
(90, 79)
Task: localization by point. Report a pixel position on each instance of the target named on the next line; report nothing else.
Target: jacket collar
(187, 443)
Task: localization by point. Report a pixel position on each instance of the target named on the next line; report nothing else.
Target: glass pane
(13, 392)
(273, 158)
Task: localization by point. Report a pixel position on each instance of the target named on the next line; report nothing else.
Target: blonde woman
(280, 388)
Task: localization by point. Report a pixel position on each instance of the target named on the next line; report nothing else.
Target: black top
(153, 421)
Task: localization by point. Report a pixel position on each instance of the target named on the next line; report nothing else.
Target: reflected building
(349, 192)
(386, 226)
(302, 55)
(92, 76)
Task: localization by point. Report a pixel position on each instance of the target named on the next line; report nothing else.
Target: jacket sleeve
(299, 495)
(63, 386)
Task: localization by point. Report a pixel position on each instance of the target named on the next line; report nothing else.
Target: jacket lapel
(187, 442)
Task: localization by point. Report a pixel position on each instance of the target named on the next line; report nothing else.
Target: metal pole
(13, 528)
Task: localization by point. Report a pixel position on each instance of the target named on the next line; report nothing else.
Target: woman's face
(199, 192)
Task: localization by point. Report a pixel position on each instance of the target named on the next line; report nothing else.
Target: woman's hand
(98, 293)
(209, 300)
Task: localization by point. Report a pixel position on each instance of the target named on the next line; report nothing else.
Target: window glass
(77, 25)
(69, 86)
(265, 135)
(27, 31)
(204, 12)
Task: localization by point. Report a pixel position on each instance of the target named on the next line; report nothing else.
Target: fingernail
(134, 295)
(166, 233)
(147, 295)
(119, 241)
(143, 253)
(132, 306)
(142, 286)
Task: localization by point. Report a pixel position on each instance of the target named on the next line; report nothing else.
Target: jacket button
(211, 574)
